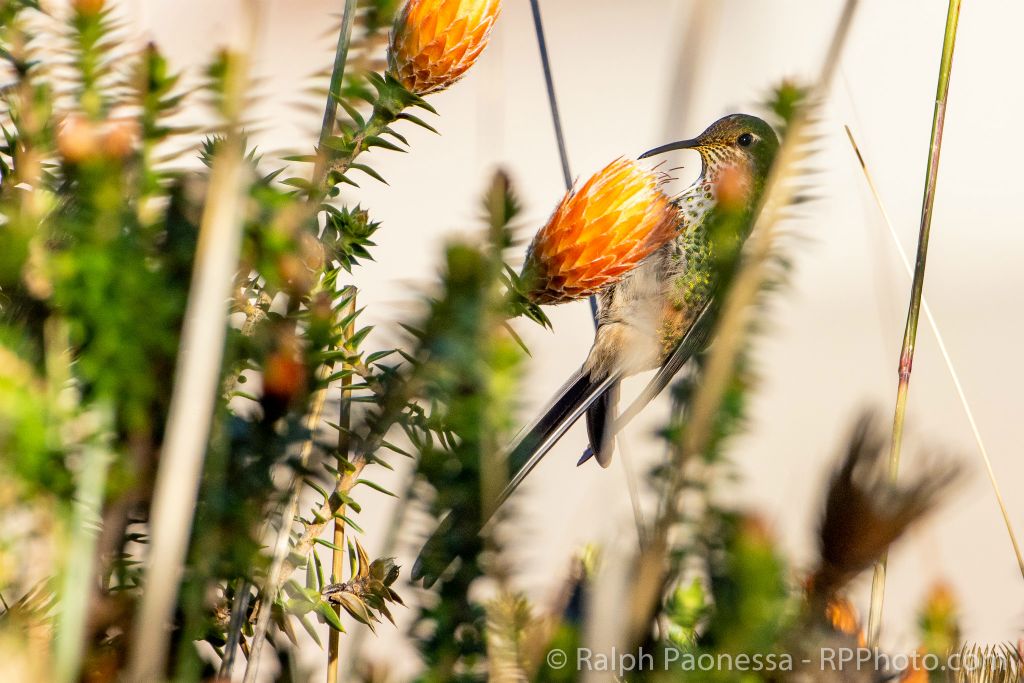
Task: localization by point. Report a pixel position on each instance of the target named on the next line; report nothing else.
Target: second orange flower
(434, 42)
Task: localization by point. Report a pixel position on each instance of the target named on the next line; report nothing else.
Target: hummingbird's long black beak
(682, 144)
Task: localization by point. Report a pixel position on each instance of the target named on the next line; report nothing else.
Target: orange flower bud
(119, 138)
(843, 616)
(434, 42)
(599, 233)
(78, 139)
(88, 6)
(284, 374)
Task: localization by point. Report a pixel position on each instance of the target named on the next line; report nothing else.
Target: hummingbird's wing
(601, 417)
(694, 341)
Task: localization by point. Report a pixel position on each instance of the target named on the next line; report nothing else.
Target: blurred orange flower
(843, 616)
(434, 42)
(598, 233)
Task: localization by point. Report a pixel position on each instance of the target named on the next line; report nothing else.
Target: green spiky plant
(99, 239)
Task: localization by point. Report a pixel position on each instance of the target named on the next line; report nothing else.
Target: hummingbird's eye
(745, 140)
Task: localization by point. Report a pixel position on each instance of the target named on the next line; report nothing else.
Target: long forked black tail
(569, 404)
(600, 427)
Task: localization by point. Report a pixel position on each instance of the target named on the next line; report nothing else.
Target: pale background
(832, 343)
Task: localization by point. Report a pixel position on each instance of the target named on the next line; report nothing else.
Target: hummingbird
(644, 316)
(650, 315)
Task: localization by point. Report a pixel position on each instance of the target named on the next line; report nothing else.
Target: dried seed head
(865, 512)
(598, 233)
(434, 42)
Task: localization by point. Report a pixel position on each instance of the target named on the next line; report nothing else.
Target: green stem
(78, 576)
(379, 120)
(337, 555)
(334, 94)
(916, 293)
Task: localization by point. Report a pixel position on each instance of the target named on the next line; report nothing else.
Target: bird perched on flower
(647, 308)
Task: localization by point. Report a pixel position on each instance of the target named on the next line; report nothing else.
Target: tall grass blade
(945, 356)
(916, 293)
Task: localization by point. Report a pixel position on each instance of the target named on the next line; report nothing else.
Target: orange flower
(78, 139)
(434, 42)
(915, 673)
(599, 233)
(843, 616)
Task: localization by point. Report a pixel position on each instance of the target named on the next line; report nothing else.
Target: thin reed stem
(549, 82)
(239, 608)
(906, 360)
(945, 356)
(331, 107)
(556, 117)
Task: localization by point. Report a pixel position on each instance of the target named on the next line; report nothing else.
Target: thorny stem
(319, 190)
(274, 581)
(337, 553)
(375, 125)
(362, 454)
(916, 294)
(283, 566)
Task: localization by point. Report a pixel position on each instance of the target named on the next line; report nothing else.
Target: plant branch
(290, 511)
(320, 175)
(337, 553)
(916, 293)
